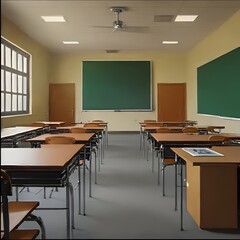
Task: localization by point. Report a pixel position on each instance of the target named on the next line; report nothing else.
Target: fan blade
(103, 26)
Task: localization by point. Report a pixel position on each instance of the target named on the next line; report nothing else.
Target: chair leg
(39, 220)
(72, 203)
(159, 167)
(163, 180)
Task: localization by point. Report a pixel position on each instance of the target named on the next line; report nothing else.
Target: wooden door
(62, 102)
(172, 102)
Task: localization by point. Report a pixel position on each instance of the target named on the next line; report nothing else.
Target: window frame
(22, 76)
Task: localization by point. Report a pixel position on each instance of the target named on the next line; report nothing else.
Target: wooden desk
(51, 123)
(203, 128)
(163, 124)
(167, 140)
(172, 129)
(43, 167)
(81, 138)
(212, 187)
(100, 132)
(13, 135)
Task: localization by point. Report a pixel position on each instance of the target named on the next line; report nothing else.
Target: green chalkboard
(218, 86)
(116, 85)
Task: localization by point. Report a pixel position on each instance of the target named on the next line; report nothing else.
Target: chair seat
(24, 234)
(168, 161)
(18, 211)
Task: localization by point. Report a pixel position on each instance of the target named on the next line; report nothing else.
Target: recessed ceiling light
(169, 42)
(185, 18)
(70, 42)
(53, 18)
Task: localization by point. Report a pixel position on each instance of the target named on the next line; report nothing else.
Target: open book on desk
(202, 152)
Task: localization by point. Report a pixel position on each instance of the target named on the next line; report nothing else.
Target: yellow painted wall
(167, 68)
(40, 73)
(223, 40)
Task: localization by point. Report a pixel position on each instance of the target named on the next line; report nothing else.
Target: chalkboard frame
(117, 85)
(218, 84)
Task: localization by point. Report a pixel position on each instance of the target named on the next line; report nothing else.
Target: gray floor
(126, 203)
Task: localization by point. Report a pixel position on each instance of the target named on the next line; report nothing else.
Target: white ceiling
(83, 17)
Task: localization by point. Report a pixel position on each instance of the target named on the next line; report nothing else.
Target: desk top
(79, 137)
(230, 155)
(52, 158)
(12, 131)
(179, 128)
(99, 128)
(181, 138)
(204, 127)
(172, 128)
(50, 123)
(167, 124)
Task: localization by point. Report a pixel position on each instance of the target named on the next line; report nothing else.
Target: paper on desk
(202, 152)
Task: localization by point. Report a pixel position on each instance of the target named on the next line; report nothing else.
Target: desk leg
(176, 162)
(153, 148)
(84, 183)
(95, 153)
(72, 203)
(106, 140)
(68, 217)
(90, 173)
(79, 187)
(159, 155)
(181, 170)
(140, 133)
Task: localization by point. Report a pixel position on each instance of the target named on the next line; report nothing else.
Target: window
(15, 79)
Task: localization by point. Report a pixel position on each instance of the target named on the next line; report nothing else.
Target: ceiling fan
(118, 25)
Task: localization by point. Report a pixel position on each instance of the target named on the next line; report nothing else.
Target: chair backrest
(149, 120)
(67, 124)
(97, 120)
(77, 130)
(211, 130)
(37, 124)
(219, 138)
(60, 140)
(153, 124)
(190, 129)
(163, 130)
(6, 181)
(6, 190)
(92, 124)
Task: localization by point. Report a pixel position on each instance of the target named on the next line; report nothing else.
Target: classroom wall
(166, 68)
(39, 75)
(223, 40)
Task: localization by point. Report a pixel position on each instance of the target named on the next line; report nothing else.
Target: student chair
(98, 137)
(60, 140)
(14, 213)
(97, 121)
(220, 140)
(212, 130)
(166, 155)
(149, 120)
(163, 130)
(190, 129)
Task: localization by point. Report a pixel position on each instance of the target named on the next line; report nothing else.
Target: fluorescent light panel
(185, 18)
(70, 42)
(53, 18)
(169, 42)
